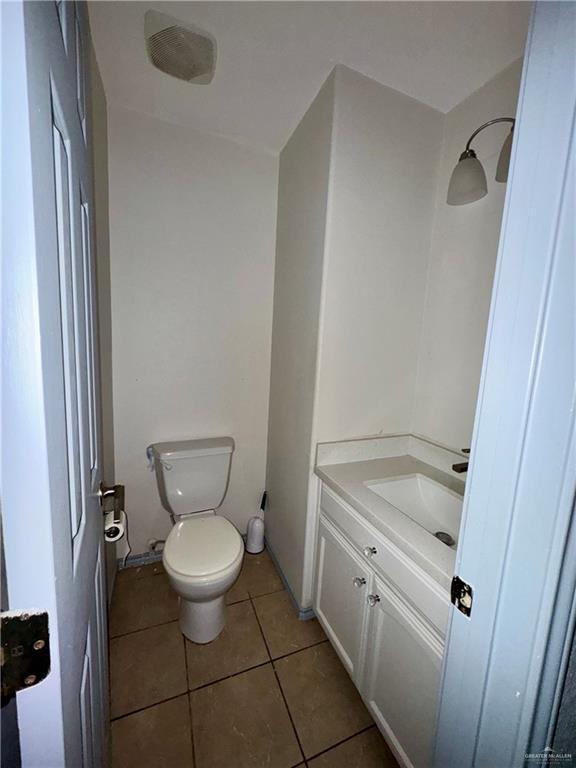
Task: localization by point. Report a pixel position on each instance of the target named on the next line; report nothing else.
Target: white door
(505, 664)
(402, 676)
(342, 582)
(50, 453)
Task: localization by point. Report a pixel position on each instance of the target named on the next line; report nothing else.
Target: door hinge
(24, 650)
(461, 595)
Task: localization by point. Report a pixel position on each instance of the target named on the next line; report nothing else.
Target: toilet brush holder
(255, 535)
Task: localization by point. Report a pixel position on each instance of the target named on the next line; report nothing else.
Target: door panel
(517, 538)
(100, 656)
(86, 713)
(89, 310)
(62, 175)
(402, 677)
(80, 71)
(339, 604)
(51, 511)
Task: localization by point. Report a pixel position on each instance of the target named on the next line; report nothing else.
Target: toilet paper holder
(115, 492)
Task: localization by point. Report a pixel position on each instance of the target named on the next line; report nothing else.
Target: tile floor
(270, 691)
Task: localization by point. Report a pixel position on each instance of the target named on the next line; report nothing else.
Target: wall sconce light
(468, 180)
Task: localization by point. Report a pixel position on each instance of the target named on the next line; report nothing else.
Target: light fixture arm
(490, 122)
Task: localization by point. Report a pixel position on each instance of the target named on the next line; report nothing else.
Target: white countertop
(347, 480)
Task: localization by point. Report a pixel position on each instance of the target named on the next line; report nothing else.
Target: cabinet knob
(372, 600)
(358, 581)
(369, 551)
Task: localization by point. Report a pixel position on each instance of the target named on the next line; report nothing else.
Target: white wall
(385, 155)
(404, 294)
(192, 234)
(461, 271)
(302, 200)
(356, 201)
(380, 304)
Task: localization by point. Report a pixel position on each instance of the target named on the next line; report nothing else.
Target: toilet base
(202, 622)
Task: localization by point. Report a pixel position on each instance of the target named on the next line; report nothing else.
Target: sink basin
(430, 504)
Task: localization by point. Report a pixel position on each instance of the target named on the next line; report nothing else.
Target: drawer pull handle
(369, 551)
(358, 581)
(373, 600)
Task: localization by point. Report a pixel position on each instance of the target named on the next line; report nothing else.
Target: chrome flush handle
(358, 581)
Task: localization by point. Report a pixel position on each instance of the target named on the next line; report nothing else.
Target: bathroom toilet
(203, 552)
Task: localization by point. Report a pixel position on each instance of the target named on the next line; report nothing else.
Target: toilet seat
(200, 547)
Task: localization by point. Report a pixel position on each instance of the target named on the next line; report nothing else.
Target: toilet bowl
(203, 552)
(202, 558)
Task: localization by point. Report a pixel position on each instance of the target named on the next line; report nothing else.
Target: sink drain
(445, 538)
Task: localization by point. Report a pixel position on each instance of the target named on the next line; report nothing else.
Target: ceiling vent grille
(178, 50)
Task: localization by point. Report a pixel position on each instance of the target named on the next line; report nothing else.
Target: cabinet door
(402, 676)
(342, 582)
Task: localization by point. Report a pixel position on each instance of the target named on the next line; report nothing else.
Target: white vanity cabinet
(391, 648)
(341, 589)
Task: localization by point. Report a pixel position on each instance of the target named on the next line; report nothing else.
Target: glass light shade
(468, 180)
(504, 158)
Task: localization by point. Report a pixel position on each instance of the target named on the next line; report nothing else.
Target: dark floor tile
(324, 703)
(239, 590)
(139, 571)
(138, 603)
(146, 667)
(242, 722)
(260, 575)
(157, 737)
(239, 647)
(283, 630)
(367, 750)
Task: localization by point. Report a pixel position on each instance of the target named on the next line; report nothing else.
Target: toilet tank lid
(188, 449)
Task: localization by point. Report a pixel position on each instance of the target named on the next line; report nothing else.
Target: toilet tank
(192, 475)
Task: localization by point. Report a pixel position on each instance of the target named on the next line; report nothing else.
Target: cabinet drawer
(388, 561)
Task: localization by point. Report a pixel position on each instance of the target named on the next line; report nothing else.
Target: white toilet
(203, 552)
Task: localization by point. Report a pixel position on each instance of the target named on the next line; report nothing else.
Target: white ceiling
(274, 56)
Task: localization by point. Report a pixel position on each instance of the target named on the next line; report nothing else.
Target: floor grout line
(255, 666)
(189, 702)
(289, 713)
(342, 741)
(265, 594)
(279, 684)
(148, 706)
(143, 629)
(299, 650)
(228, 677)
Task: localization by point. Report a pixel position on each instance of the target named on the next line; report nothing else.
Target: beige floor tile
(239, 589)
(367, 750)
(242, 722)
(239, 647)
(139, 571)
(260, 575)
(140, 603)
(157, 737)
(146, 667)
(322, 700)
(283, 630)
